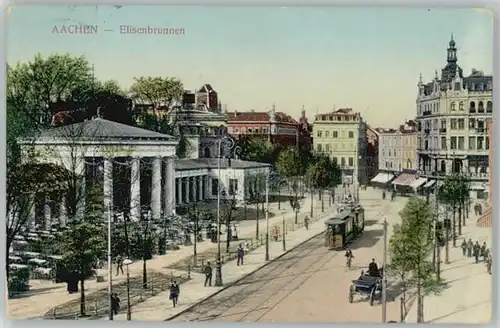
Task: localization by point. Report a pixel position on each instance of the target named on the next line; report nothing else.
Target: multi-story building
(371, 152)
(452, 111)
(276, 127)
(342, 135)
(485, 219)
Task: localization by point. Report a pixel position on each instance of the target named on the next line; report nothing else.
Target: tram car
(344, 227)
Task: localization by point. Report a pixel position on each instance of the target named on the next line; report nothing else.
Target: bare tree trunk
(312, 198)
(463, 213)
(460, 219)
(82, 297)
(322, 201)
(454, 227)
(447, 244)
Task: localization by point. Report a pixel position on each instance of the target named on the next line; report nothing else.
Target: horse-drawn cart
(366, 285)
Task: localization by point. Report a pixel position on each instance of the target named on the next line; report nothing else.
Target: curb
(241, 278)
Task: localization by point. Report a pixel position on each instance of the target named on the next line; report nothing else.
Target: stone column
(179, 191)
(156, 189)
(169, 192)
(81, 192)
(194, 189)
(63, 213)
(32, 211)
(108, 187)
(135, 189)
(200, 188)
(186, 190)
(208, 187)
(47, 212)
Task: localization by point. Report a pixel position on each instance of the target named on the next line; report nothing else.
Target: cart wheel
(372, 296)
(351, 293)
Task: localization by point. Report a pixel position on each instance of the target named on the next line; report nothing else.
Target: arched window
(480, 107)
(472, 107)
(461, 105)
(489, 107)
(453, 106)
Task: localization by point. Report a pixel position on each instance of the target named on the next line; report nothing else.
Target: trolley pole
(384, 278)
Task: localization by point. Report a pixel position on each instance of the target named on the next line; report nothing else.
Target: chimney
(229, 161)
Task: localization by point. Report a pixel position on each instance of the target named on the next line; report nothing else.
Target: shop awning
(418, 183)
(383, 177)
(477, 186)
(430, 183)
(405, 179)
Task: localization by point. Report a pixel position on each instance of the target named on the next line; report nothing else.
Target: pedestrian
(489, 262)
(469, 248)
(174, 293)
(476, 250)
(464, 247)
(115, 303)
(207, 270)
(306, 222)
(119, 264)
(240, 252)
(482, 252)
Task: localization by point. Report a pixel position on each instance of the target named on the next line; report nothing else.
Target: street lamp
(267, 215)
(228, 144)
(127, 262)
(110, 266)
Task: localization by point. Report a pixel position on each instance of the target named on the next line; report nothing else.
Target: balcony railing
(442, 130)
(426, 112)
(427, 130)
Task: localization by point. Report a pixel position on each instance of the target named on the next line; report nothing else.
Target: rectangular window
(487, 143)
(461, 123)
(233, 186)
(215, 186)
(319, 148)
(351, 134)
(472, 123)
(335, 134)
(249, 130)
(480, 143)
(453, 124)
(342, 162)
(327, 134)
(351, 162)
(472, 143)
(453, 143)
(443, 124)
(320, 134)
(327, 148)
(461, 143)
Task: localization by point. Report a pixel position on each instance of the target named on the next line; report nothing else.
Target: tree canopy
(258, 150)
(156, 91)
(290, 163)
(323, 173)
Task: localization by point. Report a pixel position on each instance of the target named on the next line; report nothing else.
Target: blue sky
(365, 58)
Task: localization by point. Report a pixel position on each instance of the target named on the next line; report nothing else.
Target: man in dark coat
(464, 247)
(373, 268)
(207, 270)
(476, 249)
(482, 252)
(115, 303)
(174, 292)
(240, 252)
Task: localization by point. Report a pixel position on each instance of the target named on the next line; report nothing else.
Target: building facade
(398, 148)
(276, 127)
(342, 135)
(485, 220)
(452, 111)
(372, 155)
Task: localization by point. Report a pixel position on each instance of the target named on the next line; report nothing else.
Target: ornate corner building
(452, 115)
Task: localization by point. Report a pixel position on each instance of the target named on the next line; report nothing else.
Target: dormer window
(457, 86)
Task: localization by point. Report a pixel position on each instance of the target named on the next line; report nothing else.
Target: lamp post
(110, 267)
(228, 144)
(384, 278)
(267, 216)
(284, 234)
(127, 262)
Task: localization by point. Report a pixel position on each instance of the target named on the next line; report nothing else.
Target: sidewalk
(467, 300)
(45, 295)
(159, 307)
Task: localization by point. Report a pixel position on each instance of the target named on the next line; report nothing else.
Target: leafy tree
(258, 150)
(454, 192)
(158, 92)
(323, 174)
(84, 245)
(291, 166)
(142, 244)
(410, 247)
(36, 85)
